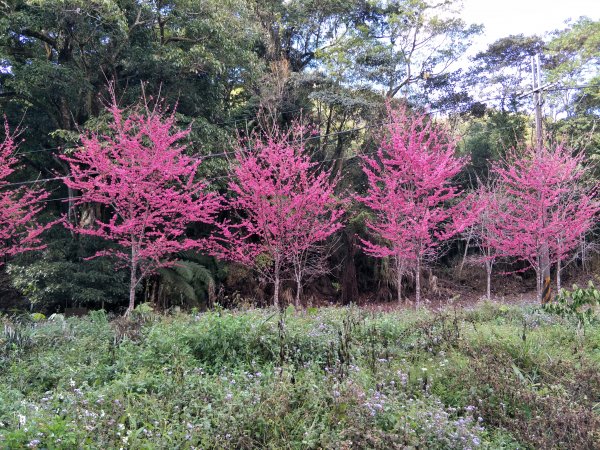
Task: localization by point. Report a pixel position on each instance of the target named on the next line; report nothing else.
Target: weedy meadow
(495, 377)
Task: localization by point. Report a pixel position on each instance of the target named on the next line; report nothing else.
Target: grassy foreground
(492, 377)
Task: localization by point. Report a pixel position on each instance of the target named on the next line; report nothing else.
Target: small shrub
(580, 303)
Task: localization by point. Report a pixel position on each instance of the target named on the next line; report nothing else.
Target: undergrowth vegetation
(495, 377)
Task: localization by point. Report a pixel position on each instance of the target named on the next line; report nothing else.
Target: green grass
(493, 377)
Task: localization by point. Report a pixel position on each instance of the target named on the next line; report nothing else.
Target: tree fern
(192, 282)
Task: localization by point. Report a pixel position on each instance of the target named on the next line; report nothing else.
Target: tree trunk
(71, 211)
(558, 275)
(399, 279)
(132, 281)
(298, 292)
(132, 285)
(546, 280)
(539, 288)
(464, 258)
(276, 287)
(584, 265)
(488, 267)
(349, 283)
(545, 275)
(418, 283)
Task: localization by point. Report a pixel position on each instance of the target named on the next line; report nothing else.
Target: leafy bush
(580, 303)
(59, 276)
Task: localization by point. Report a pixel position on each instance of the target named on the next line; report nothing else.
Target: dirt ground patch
(469, 290)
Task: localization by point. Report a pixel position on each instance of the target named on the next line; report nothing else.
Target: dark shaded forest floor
(9, 298)
(469, 291)
(465, 291)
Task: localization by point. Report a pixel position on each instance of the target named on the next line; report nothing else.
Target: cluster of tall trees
(314, 72)
(282, 208)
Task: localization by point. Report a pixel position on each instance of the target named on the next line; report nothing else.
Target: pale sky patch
(502, 18)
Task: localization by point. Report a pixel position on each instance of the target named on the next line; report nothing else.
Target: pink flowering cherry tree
(285, 209)
(19, 229)
(488, 203)
(414, 204)
(548, 206)
(148, 186)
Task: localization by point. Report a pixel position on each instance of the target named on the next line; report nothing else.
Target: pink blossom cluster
(19, 231)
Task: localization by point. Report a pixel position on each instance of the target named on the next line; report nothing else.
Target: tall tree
(286, 208)
(548, 207)
(503, 71)
(399, 45)
(488, 138)
(410, 194)
(574, 63)
(484, 232)
(140, 173)
(575, 52)
(56, 56)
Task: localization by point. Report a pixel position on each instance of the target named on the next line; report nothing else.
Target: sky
(502, 18)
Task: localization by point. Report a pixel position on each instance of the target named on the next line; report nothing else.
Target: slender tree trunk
(558, 275)
(584, 265)
(298, 292)
(546, 270)
(277, 282)
(545, 287)
(131, 297)
(276, 292)
(399, 279)
(161, 298)
(71, 212)
(132, 285)
(153, 298)
(462, 263)
(349, 284)
(488, 269)
(539, 278)
(132, 281)
(418, 283)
